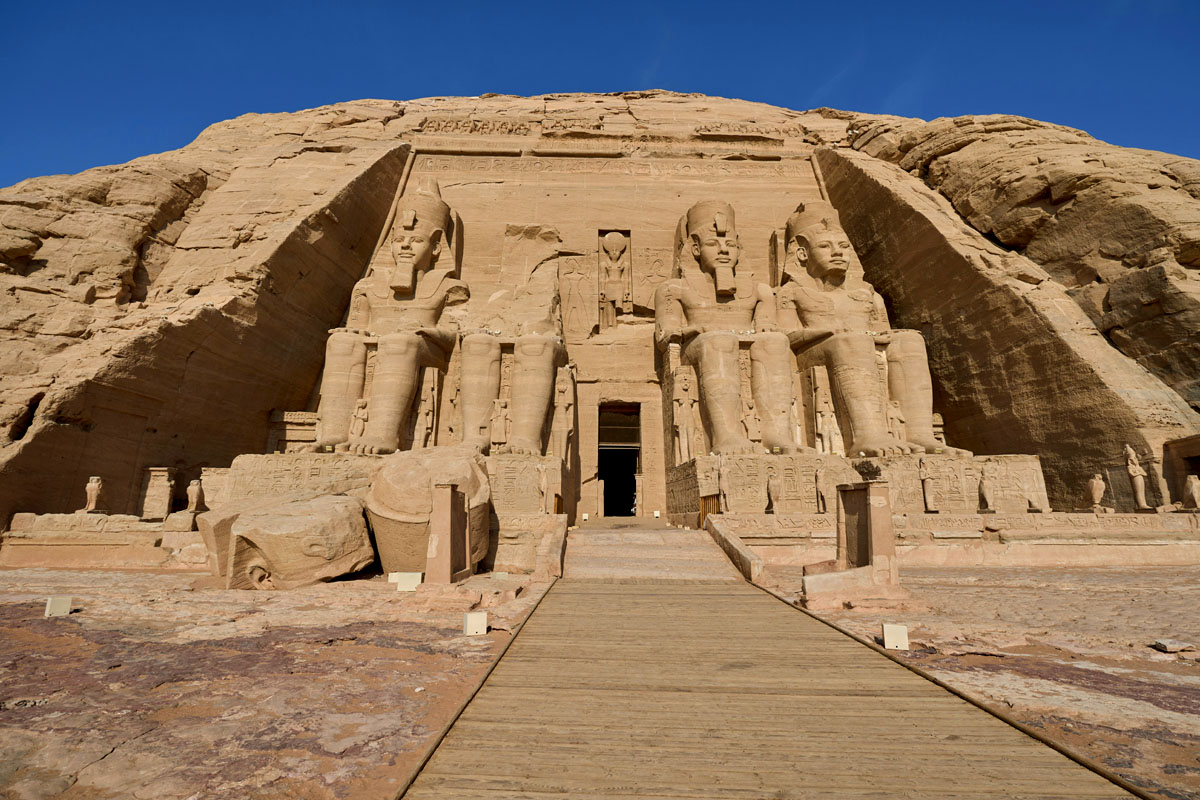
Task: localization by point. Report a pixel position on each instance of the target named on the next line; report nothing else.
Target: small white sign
(475, 623)
(895, 637)
(406, 581)
(58, 606)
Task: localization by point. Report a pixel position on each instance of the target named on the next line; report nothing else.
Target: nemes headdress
(425, 206)
(818, 215)
(710, 215)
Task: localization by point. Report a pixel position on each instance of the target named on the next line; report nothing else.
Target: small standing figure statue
(723, 488)
(358, 423)
(928, 490)
(614, 291)
(1191, 492)
(499, 425)
(195, 496)
(684, 419)
(1096, 488)
(94, 486)
(819, 481)
(1137, 477)
(774, 491)
(895, 419)
(750, 422)
(987, 501)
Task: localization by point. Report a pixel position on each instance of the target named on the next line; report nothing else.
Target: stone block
(406, 581)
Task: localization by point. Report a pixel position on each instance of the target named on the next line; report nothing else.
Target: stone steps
(637, 555)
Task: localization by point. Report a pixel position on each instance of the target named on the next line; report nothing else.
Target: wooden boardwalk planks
(706, 690)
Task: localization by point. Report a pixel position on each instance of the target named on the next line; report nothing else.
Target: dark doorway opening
(619, 458)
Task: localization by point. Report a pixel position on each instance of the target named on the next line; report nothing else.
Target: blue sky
(100, 83)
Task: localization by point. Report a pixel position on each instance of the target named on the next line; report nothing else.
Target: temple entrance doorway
(618, 461)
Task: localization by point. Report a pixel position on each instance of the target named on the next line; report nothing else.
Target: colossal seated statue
(709, 310)
(833, 317)
(397, 312)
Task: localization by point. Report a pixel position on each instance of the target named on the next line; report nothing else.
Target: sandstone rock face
(156, 314)
(1118, 228)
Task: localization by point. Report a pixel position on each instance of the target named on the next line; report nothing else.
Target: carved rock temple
(437, 334)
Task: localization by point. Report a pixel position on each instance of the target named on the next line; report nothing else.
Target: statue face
(826, 255)
(716, 252)
(414, 250)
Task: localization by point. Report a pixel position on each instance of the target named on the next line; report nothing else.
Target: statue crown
(425, 205)
(807, 216)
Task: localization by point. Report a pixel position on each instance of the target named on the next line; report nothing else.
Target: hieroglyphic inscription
(1016, 480)
(573, 124)
(614, 166)
(282, 474)
(516, 482)
(683, 491)
(746, 478)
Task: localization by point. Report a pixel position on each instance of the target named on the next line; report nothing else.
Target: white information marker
(58, 606)
(475, 623)
(895, 637)
(406, 581)
(656, 513)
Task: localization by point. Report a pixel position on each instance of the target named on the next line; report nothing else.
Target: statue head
(423, 223)
(818, 243)
(713, 235)
(614, 245)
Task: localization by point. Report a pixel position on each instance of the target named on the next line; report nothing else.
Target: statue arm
(879, 316)
(668, 315)
(788, 315)
(765, 312)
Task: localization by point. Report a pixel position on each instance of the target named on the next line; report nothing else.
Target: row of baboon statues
(822, 314)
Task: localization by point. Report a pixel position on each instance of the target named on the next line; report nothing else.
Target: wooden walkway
(712, 690)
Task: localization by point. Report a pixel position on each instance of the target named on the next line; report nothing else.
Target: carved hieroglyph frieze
(315, 473)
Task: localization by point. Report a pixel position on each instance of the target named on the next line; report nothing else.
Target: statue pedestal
(1015, 480)
(527, 511)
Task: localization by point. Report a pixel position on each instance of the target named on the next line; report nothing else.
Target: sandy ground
(1066, 651)
(155, 687)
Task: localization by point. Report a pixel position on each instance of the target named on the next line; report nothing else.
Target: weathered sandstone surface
(1118, 228)
(156, 313)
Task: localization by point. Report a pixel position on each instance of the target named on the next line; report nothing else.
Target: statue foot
(373, 447)
(882, 446)
(736, 445)
(934, 446)
(524, 447)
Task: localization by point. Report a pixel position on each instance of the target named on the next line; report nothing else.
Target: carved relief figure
(427, 426)
(987, 480)
(576, 318)
(705, 309)
(685, 406)
(614, 283)
(1137, 478)
(774, 490)
(399, 310)
(92, 492)
(896, 420)
(834, 317)
(821, 489)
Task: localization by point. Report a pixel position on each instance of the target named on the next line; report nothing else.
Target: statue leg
(341, 387)
(393, 387)
(854, 380)
(771, 367)
(479, 386)
(537, 361)
(715, 357)
(910, 384)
